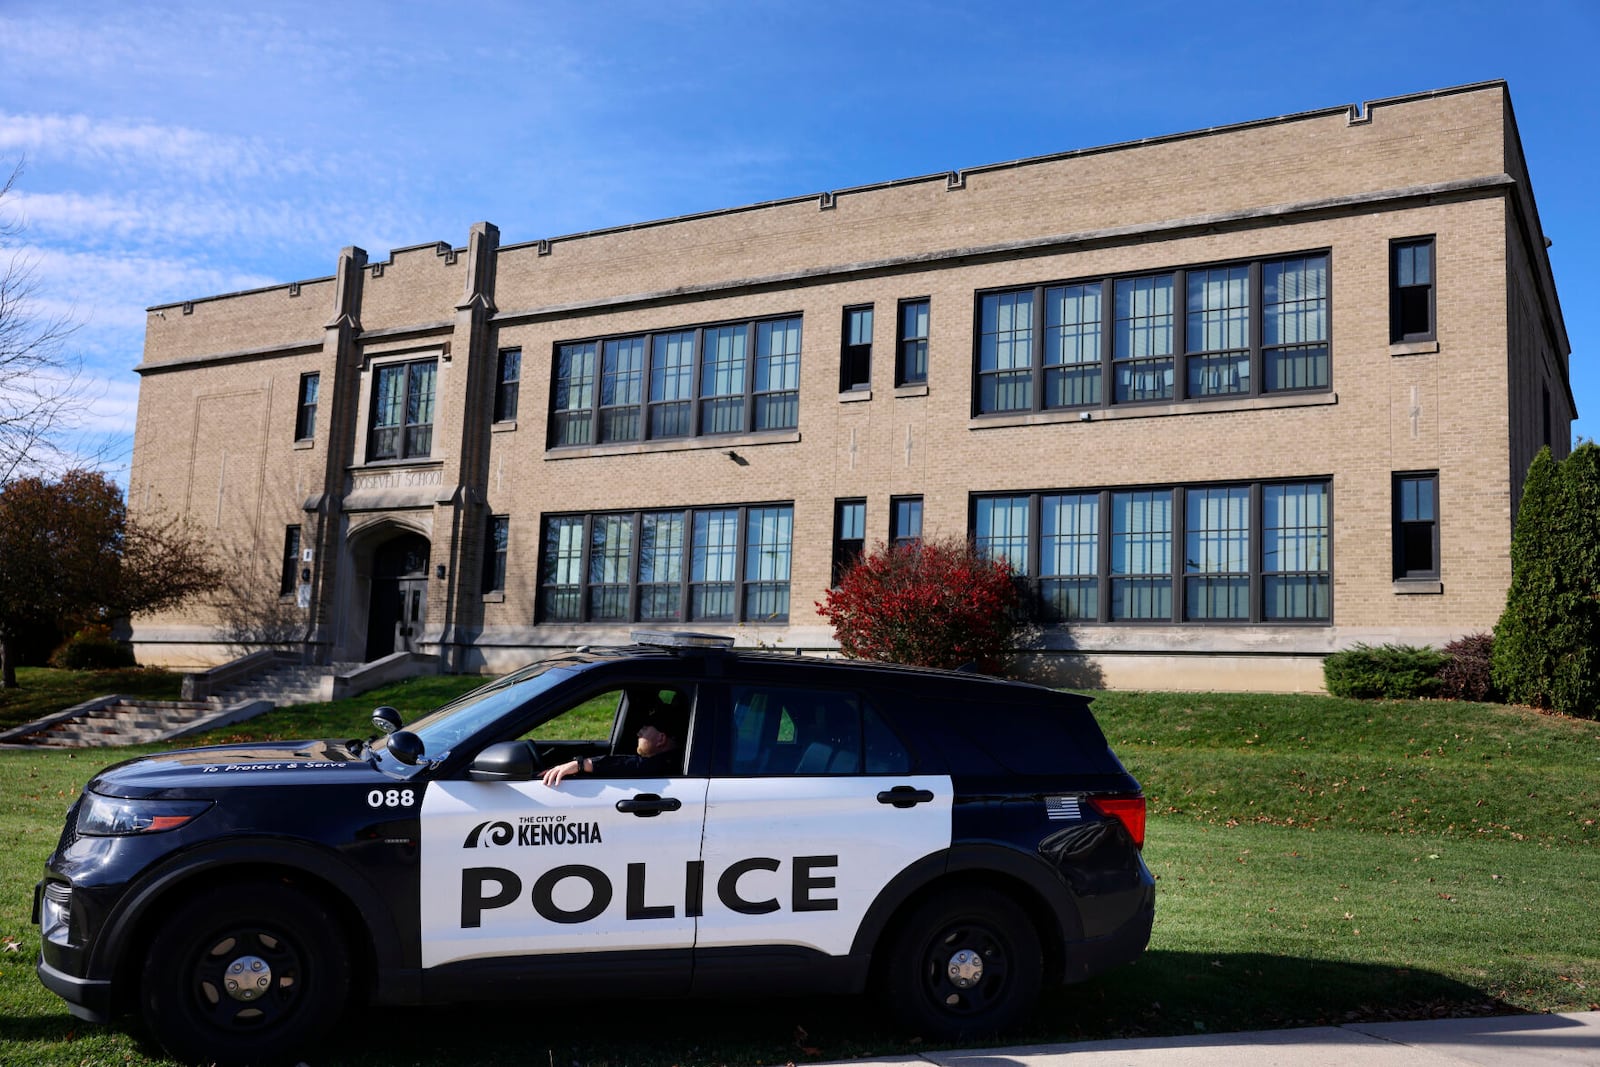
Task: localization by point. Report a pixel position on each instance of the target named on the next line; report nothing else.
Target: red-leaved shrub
(1467, 674)
(937, 603)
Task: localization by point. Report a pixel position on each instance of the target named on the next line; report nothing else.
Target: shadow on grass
(1164, 993)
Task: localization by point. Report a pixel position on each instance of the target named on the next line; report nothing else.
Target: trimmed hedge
(1393, 672)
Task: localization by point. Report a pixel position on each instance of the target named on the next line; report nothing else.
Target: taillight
(1128, 810)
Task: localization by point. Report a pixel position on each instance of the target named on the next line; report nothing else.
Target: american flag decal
(1062, 808)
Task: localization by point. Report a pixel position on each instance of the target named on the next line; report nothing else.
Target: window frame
(305, 416)
(855, 356)
(403, 429)
(906, 343)
(745, 584)
(849, 517)
(289, 575)
(897, 534)
(1111, 369)
(1403, 527)
(742, 395)
(496, 551)
(1398, 334)
(507, 386)
(1174, 582)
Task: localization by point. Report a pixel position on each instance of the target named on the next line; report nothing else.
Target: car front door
(593, 866)
(811, 810)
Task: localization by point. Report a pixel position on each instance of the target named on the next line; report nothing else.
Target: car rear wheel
(964, 964)
(244, 974)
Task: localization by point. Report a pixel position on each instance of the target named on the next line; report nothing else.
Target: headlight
(115, 817)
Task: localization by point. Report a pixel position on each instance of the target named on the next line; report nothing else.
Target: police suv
(948, 840)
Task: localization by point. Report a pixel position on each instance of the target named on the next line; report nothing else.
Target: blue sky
(178, 150)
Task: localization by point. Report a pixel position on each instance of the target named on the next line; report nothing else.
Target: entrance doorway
(399, 605)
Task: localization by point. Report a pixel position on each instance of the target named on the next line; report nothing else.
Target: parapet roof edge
(239, 292)
(1356, 112)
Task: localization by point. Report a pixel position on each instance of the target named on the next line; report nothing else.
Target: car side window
(790, 730)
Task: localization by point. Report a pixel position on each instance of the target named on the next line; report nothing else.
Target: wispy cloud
(141, 147)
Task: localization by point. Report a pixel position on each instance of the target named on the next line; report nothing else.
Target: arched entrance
(398, 604)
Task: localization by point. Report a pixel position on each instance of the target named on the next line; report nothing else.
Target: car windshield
(444, 729)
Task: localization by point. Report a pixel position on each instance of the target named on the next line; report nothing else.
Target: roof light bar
(679, 639)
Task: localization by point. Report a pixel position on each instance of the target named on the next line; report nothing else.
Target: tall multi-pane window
(1141, 554)
(911, 343)
(905, 520)
(494, 553)
(1216, 553)
(849, 535)
(1245, 329)
(1296, 553)
(1416, 525)
(508, 381)
(777, 377)
(1294, 323)
(722, 370)
(714, 564)
(289, 576)
(768, 540)
(672, 384)
(402, 410)
(1250, 553)
(1069, 556)
(622, 389)
(305, 418)
(610, 566)
(1142, 333)
(1005, 352)
(1072, 330)
(1218, 331)
(661, 541)
(1411, 295)
(572, 401)
(855, 349)
(561, 569)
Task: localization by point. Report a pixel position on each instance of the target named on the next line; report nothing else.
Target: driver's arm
(554, 775)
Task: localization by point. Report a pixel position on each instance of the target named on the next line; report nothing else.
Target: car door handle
(646, 805)
(905, 796)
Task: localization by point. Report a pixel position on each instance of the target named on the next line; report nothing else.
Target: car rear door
(811, 809)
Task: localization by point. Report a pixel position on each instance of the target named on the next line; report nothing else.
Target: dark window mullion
(1103, 605)
(1035, 551)
(741, 535)
(1036, 354)
(1180, 338)
(1256, 549)
(1108, 344)
(634, 556)
(750, 358)
(646, 404)
(583, 567)
(1180, 554)
(1255, 324)
(696, 367)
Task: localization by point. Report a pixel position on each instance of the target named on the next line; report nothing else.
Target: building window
(911, 344)
(855, 350)
(1416, 525)
(702, 564)
(1247, 329)
(905, 520)
(494, 554)
(402, 410)
(305, 419)
(289, 575)
(849, 535)
(1251, 553)
(508, 380)
(1411, 307)
(732, 378)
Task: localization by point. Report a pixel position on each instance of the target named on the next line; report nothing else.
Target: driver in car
(658, 751)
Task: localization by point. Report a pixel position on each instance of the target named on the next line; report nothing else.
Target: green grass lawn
(1318, 861)
(41, 691)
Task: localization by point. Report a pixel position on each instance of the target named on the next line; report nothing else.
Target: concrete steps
(126, 722)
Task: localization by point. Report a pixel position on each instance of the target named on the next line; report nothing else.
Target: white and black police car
(947, 840)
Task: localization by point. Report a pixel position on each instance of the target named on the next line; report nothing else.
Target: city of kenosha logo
(533, 830)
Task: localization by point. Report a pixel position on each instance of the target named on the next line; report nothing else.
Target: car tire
(244, 974)
(963, 964)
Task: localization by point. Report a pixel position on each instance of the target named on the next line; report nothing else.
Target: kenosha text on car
(949, 841)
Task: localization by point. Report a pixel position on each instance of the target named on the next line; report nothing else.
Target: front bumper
(87, 998)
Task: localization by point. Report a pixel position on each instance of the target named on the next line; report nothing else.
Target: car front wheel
(244, 974)
(964, 964)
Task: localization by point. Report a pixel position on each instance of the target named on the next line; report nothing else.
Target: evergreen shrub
(1392, 672)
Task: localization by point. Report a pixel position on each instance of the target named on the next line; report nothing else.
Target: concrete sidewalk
(1501, 1041)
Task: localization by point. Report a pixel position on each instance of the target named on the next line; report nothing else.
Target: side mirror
(406, 746)
(504, 761)
(385, 719)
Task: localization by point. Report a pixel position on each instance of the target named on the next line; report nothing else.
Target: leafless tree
(42, 388)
